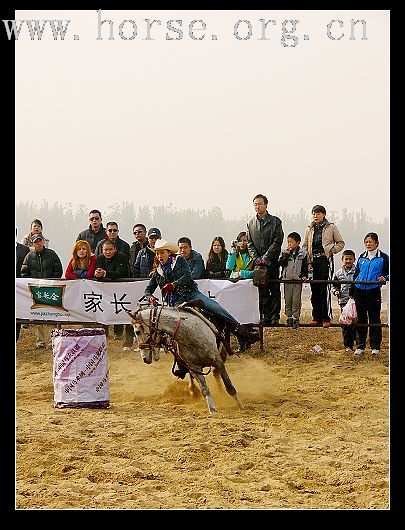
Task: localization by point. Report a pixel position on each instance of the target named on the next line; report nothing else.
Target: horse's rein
(173, 347)
(153, 327)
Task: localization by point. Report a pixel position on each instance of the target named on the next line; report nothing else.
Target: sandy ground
(314, 432)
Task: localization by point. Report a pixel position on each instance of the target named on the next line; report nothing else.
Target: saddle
(197, 307)
(198, 304)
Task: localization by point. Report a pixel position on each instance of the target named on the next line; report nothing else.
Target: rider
(172, 274)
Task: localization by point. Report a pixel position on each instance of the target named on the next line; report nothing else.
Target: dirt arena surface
(314, 432)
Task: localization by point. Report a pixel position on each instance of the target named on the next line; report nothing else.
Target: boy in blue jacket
(372, 265)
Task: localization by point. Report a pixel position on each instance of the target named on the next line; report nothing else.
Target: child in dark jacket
(341, 290)
(372, 265)
(294, 263)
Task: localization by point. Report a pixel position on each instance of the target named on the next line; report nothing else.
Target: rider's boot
(181, 371)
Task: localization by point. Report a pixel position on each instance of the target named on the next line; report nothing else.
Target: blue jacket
(196, 264)
(144, 263)
(370, 270)
(179, 274)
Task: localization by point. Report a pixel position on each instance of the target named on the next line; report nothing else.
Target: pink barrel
(80, 368)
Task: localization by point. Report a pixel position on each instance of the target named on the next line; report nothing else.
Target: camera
(234, 243)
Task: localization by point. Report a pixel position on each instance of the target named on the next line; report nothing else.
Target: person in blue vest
(373, 266)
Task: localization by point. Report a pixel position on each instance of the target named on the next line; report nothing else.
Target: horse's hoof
(147, 360)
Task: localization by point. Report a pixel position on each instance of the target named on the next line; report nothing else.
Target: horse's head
(140, 329)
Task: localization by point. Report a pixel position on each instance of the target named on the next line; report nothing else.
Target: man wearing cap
(194, 259)
(41, 262)
(145, 258)
(95, 232)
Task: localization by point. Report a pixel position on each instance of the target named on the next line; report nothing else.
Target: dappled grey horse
(190, 337)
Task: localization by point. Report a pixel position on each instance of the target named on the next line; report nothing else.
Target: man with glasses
(140, 242)
(95, 232)
(112, 234)
(123, 247)
(265, 236)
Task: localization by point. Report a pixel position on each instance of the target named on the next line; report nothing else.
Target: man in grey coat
(265, 237)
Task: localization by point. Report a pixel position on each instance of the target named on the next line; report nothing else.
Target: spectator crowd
(100, 254)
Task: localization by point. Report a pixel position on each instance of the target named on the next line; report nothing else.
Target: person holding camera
(265, 236)
(241, 266)
(239, 261)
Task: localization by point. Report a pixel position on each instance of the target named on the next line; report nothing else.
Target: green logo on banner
(47, 296)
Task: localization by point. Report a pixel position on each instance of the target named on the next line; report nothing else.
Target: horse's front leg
(205, 392)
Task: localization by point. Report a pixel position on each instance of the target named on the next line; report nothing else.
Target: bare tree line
(62, 224)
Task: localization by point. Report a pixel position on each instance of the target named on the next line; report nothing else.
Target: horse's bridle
(160, 339)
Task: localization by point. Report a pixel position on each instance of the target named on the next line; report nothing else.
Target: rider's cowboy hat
(162, 244)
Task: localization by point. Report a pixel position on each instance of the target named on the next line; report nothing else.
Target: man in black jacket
(41, 262)
(265, 237)
(95, 232)
(113, 265)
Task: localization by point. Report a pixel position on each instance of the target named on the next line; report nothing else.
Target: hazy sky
(210, 122)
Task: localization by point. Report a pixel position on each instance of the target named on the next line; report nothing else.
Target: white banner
(105, 302)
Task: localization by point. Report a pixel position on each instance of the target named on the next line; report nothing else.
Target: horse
(190, 337)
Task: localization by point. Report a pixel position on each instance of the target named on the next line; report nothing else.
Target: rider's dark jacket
(179, 274)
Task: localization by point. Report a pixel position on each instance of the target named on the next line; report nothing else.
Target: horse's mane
(174, 313)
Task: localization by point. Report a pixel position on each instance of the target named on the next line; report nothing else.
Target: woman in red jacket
(83, 262)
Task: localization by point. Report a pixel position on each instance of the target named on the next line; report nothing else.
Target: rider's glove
(168, 287)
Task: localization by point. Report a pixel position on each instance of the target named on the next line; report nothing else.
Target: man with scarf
(321, 241)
